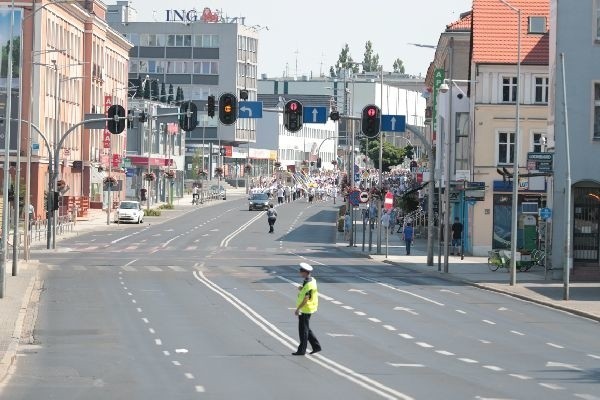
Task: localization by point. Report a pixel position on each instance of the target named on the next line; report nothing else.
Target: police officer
(306, 304)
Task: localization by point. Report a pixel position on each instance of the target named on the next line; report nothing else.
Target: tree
(170, 99)
(392, 155)
(370, 60)
(399, 66)
(147, 89)
(344, 61)
(155, 90)
(163, 93)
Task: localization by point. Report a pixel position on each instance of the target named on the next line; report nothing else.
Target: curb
(11, 353)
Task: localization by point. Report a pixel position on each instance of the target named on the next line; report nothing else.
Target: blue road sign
(129, 172)
(354, 197)
(314, 115)
(35, 146)
(545, 213)
(250, 109)
(393, 123)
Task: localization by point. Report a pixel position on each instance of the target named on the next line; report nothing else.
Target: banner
(106, 138)
(6, 14)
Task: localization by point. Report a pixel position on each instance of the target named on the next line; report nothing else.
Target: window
(597, 111)
(541, 90)
(538, 142)
(187, 40)
(506, 147)
(509, 89)
(171, 40)
(537, 25)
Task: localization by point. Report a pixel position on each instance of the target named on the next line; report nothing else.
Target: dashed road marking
(145, 320)
(176, 363)
(461, 311)
(360, 313)
(158, 342)
(348, 307)
(468, 360)
(517, 333)
(445, 353)
(406, 365)
(389, 327)
(181, 351)
(556, 346)
(521, 377)
(402, 291)
(594, 356)
(551, 364)
(405, 336)
(487, 321)
(586, 396)
(374, 320)
(448, 291)
(189, 376)
(152, 331)
(551, 386)
(484, 341)
(493, 368)
(139, 310)
(424, 345)
(200, 389)
(166, 353)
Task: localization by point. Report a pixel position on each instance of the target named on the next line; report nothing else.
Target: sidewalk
(531, 285)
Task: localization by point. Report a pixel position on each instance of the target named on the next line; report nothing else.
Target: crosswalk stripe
(176, 268)
(153, 269)
(128, 268)
(191, 248)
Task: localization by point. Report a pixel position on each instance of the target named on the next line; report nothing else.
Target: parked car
(258, 201)
(219, 190)
(129, 211)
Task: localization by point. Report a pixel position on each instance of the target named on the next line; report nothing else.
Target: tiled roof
(463, 24)
(495, 32)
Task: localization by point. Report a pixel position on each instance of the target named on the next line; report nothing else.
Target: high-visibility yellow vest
(313, 302)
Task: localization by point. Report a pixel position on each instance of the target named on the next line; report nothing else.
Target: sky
(311, 33)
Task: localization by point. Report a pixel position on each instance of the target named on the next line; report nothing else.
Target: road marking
(551, 386)
(166, 353)
(424, 345)
(487, 321)
(484, 341)
(468, 360)
(586, 396)
(340, 335)
(128, 236)
(408, 310)
(551, 364)
(175, 268)
(517, 333)
(165, 244)
(360, 313)
(145, 320)
(405, 336)
(291, 344)
(133, 301)
(321, 295)
(406, 365)
(361, 291)
(152, 331)
(176, 363)
(594, 356)
(124, 287)
(139, 310)
(503, 309)
(445, 353)
(461, 311)
(348, 307)
(402, 291)
(189, 376)
(521, 377)
(158, 342)
(128, 268)
(389, 327)
(493, 368)
(228, 238)
(374, 320)
(181, 351)
(152, 268)
(448, 291)
(337, 303)
(129, 294)
(200, 389)
(556, 346)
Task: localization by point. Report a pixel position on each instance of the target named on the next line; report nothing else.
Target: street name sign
(250, 109)
(314, 115)
(393, 123)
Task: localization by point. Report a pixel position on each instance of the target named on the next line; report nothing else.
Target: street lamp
(515, 191)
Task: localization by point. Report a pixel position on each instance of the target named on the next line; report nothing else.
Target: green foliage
(370, 60)
(340, 224)
(409, 203)
(170, 98)
(155, 90)
(16, 58)
(345, 61)
(399, 66)
(342, 210)
(152, 213)
(163, 93)
(147, 90)
(166, 207)
(392, 155)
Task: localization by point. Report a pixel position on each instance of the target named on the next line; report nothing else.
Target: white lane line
(468, 360)
(129, 294)
(556, 346)
(340, 335)
(594, 356)
(461, 311)
(291, 344)
(158, 342)
(139, 310)
(484, 341)
(585, 396)
(375, 320)
(152, 331)
(228, 238)
(487, 321)
(445, 353)
(405, 336)
(200, 389)
(128, 268)
(424, 345)
(348, 307)
(551, 386)
(521, 377)
(337, 303)
(176, 268)
(389, 327)
(176, 363)
(145, 320)
(181, 351)
(189, 376)
(448, 291)
(385, 285)
(124, 287)
(551, 364)
(165, 244)
(153, 268)
(517, 333)
(127, 236)
(166, 353)
(502, 309)
(361, 291)
(133, 301)
(405, 365)
(406, 309)
(360, 313)
(493, 368)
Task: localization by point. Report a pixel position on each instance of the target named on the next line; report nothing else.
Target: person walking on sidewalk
(307, 304)
(408, 233)
(271, 218)
(457, 229)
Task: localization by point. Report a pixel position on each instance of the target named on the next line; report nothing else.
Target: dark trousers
(271, 225)
(279, 200)
(306, 335)
(408, 243)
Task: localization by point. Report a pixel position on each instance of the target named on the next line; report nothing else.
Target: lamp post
(380, 172)
(515, 191)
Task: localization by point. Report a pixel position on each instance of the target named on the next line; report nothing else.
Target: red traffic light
(371, 112)
(293, 106)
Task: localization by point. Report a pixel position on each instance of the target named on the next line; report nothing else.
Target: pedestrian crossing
(192, 249)
(117, 268)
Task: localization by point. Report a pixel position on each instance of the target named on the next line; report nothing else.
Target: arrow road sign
(314, 115)
(250, 109)
(393, 123)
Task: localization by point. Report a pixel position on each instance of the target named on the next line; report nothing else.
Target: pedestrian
(307, 304)
(457, 229)
(280, 194)
(408, 236)
(334, 193)
(347, 225)
(271, 218)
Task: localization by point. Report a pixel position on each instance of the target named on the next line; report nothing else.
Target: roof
(463, 24)
(495, 32)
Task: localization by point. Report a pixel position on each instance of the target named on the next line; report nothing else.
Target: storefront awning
(154, 161)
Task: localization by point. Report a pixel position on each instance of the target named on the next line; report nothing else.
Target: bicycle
(497, 259)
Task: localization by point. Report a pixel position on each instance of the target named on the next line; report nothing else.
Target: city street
(201, 306)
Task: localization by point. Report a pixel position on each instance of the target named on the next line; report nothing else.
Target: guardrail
(39, 227)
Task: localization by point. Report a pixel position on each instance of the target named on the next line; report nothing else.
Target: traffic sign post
(354, 197)
(388, 203)
(314, 115)
(364, 197)
(393, 123)
(250, 109)
(545, 213)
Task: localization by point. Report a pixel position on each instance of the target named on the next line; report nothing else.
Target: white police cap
(306, 267)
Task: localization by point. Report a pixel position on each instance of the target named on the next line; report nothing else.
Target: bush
(166, 206)
(152, 213)
(340, 224)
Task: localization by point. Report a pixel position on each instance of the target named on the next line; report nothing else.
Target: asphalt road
(201, 306)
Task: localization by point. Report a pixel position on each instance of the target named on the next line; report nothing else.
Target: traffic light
(244, 94)
(131, 119)
(188, 116)
(117, 121)
(211, 106)
(292, 115)
(319, 162)
(371, 121)
(334, 116)
(55, 200)
(143, 117)
(227, 108)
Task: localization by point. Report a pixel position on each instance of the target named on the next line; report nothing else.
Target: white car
(129, 211)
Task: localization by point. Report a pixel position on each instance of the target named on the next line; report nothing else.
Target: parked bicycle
(501, 259)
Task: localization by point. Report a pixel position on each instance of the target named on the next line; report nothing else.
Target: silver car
(129, 211)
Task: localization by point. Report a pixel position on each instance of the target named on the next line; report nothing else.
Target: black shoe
(318, 349)
(298, 354)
